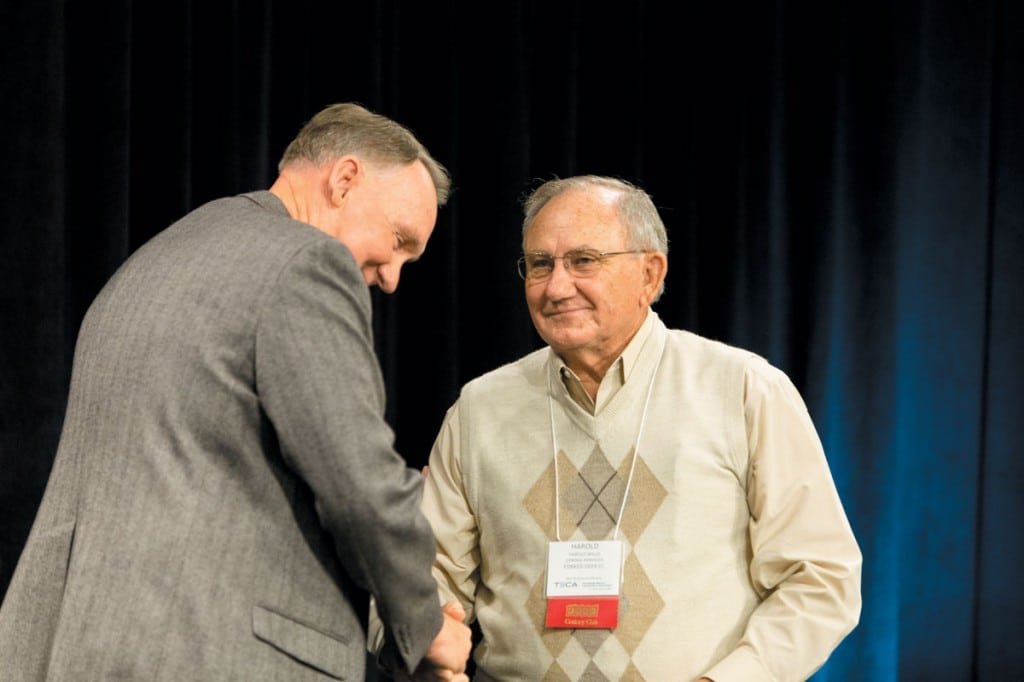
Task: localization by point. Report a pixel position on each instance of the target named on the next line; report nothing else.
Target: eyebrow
(409, 241)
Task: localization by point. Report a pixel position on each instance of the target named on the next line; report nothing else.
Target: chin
(562, 343)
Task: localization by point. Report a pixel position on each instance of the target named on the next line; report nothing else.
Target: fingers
(446, 657)
(451, 648)
(455, 677)
(429, 673)
(454, 610)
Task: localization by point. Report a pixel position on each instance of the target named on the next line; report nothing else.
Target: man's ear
(655, 269)
(345, 172)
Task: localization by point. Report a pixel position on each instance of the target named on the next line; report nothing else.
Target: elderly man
(634, 502)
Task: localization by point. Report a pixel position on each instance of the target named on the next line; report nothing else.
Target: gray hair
(645, 230)
(349, 128)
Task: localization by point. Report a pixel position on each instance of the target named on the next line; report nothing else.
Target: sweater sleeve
(806, 562)
(448, 506)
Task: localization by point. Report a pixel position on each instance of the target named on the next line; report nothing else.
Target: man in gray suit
(226, 491)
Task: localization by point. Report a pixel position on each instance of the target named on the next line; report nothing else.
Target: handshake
(446, 657)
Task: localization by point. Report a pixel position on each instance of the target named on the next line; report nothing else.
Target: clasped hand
(446, 658)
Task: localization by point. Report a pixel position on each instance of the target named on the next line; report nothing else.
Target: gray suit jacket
(225, 486)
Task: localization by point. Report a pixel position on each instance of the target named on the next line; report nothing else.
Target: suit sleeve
(32, 604)
(319, 382)
(445, 504)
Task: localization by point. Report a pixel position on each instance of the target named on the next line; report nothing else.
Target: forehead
(407, 193)
(411, 182)
(577, 218)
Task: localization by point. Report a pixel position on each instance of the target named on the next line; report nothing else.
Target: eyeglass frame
(600, 256)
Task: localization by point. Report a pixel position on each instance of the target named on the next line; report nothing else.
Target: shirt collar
(618, 374)
(627, 361)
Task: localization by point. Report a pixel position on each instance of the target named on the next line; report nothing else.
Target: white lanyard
(632, 466)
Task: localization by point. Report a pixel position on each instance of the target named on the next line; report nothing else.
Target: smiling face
(588, 321)
(385, 215)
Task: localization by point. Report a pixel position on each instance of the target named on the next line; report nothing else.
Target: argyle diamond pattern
(590, 499)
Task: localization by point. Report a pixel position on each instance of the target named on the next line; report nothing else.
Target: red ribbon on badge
(582, 612)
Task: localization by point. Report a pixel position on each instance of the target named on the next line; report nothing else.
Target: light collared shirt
(614, 379)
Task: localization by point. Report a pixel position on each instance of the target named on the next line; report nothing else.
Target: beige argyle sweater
(739, 560)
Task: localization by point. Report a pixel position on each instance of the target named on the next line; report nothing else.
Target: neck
(590, 367)
(592, 364)
(285, 191)
(296, 188)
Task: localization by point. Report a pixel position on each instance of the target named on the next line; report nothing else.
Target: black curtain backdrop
(843, 184)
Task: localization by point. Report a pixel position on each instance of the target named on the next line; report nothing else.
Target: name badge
(583, 583)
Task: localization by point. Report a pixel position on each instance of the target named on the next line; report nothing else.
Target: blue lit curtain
(843, 184)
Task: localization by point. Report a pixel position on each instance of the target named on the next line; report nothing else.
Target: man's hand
(446, 658)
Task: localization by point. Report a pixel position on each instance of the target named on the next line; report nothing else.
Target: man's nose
(561, 282)
(387, 277)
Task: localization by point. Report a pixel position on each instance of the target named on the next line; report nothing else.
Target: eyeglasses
(537, 266)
